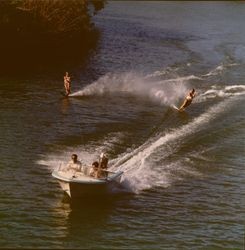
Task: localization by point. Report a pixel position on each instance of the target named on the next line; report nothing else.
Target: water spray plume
(164, 92)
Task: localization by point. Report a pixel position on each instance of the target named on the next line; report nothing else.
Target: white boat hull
(80, 185)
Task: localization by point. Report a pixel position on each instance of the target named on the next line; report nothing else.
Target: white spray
(164, 92)
(140, 172)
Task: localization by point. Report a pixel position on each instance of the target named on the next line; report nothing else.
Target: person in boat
(94, 170)
(67, 83)
(74, 164)
(103, 162)
(188, 99)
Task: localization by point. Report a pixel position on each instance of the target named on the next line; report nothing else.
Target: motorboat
(78, 184)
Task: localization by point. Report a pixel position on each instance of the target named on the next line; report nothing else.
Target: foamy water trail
(140, 173)
(164, 92)
(140, 170)
(164, 72)
(219, 69)
(223, 92)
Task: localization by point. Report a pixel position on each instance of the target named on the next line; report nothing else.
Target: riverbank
(39, 34)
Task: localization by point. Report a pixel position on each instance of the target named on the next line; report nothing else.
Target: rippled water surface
(183, 183)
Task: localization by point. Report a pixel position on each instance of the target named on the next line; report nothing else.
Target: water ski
(180, 110)
(64, 94)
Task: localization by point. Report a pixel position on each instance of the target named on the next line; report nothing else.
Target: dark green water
(183, 183)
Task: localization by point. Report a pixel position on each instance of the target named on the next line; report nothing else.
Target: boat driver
(74, 164)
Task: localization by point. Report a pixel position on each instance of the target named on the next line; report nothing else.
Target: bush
(47, 27)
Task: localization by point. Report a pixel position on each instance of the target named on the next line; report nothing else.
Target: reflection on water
(65, 105)
(87, 219)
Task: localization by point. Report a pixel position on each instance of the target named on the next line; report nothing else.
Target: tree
(48, 26)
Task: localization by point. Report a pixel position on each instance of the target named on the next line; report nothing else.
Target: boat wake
(219, 69)
(222, 92)
(146, 166)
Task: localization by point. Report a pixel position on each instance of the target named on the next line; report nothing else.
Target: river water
(184, 182)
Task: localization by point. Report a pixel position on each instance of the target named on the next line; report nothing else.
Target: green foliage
(46, 31)
(56, 17)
